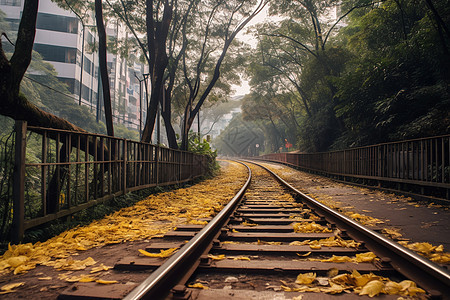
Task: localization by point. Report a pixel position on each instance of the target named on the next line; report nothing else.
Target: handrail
(421, 163)
(76, 170)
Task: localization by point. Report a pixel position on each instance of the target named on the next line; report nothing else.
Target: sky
(244, 88)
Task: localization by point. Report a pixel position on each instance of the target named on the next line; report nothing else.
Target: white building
(59, 39)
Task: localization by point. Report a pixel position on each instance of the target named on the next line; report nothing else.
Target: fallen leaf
(310, 227)
(372, 288)
(162, 254)
(198, 285)
(306, 278)
(217, 257)
(11, 286)
(101, 281)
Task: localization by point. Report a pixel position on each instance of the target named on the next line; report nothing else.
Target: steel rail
(156, 285)
(425, 265)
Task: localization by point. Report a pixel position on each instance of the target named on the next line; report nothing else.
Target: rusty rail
(420, 166)
(185, 259)
(78, 170)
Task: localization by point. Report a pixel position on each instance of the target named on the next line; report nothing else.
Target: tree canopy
(375, 72)
(324, 74)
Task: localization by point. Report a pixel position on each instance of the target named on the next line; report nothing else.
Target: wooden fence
(71, 171)
(419, 166)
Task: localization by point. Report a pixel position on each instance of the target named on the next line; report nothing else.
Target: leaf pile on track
(366, 257)
(361, 284)
(310, 227)
(332, 241)
(151, 217)
(433, 253)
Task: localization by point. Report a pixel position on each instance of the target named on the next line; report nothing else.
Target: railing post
(124, 168)
(157, 164)
(19, 182)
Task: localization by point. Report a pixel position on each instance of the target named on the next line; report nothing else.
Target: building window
(57, 23)
(10, 2)
(70, 82)
(56, 53)
(85, 92)
(87, 65)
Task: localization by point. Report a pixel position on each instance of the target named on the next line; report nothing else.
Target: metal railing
(421, 166)
(58, 173)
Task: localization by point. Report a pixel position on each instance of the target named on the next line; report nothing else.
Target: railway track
(273, 242)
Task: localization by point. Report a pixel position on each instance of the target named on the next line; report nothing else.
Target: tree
(226, 13)
(103, 66)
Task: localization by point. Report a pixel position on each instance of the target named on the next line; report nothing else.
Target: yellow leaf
(441, 258)
(102, 267)
(333, 289)
(245, 223)
(372, 288)
(45, 278)
(342, 279)
(439, 248)
(217, 257)
(392, 288)
(234, 230)
(162, 254)
(241, 258)
(306, 278)
(86, 279)
(360, 280)
(304, 255)
(309, 227)
(337, 259)
(198, 285)
(413, 291)
(101, 281)
(11, 286)
(315, 247)
(197, 222)
(23, 268)
(365, 257)
(17, 261)
(298, 243)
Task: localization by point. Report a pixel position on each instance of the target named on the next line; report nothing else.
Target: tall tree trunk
(190, 117)
(156, 38)
(103, 66)
(166, 113)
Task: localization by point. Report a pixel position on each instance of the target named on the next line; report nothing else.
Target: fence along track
(266, 255)
(73, 171)
(419, 167)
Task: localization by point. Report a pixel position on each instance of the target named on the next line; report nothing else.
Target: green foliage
(204, 148)
(385, 76)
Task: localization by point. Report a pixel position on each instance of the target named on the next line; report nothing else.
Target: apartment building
(59, 39)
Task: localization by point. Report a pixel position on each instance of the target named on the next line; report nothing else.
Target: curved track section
(431, 276)
(265, 242)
